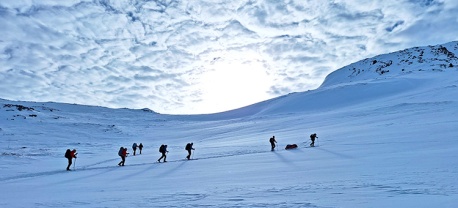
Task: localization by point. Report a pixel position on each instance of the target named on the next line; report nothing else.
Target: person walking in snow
(123, 154)
(70, 155)
(313, 137)
(134, 147)
(189, 148)
(140, 147)
(163, 150)
(272, 142)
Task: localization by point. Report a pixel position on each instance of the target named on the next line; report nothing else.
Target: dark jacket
(189, 147)
(163, 149)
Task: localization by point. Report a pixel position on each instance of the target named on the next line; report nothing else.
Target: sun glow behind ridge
(237, 80)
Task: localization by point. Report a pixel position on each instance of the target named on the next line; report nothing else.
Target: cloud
(394, 26)
(174, 57)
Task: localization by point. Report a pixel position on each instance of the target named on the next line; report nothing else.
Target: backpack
(67, 153)
(161, 148)
(188, 146)
(120, 152)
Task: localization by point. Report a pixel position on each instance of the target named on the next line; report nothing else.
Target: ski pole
(74, 164)
(193, 152)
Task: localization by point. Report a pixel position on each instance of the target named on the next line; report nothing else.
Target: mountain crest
(428, 58)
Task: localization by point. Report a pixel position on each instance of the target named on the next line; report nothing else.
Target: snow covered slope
(395, 74)
(384, 140)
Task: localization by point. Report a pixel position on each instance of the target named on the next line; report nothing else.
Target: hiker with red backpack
(123, 154)
(70, 154)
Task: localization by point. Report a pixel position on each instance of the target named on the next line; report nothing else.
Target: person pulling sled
(272, 142)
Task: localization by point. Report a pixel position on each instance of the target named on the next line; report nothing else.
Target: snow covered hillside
(385, 140)
(375, 78)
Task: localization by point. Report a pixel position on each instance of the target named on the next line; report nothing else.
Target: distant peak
(428, 58)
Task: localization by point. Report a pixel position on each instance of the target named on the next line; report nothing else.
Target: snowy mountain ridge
(386, 75)
(428, 58)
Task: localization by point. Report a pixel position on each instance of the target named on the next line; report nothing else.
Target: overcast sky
(199, 56)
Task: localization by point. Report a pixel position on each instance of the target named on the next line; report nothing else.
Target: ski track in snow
(90, 167)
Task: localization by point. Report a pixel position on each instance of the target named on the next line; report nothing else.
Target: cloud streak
(173, 57)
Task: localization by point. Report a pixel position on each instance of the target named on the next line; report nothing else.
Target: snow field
(389, 146)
